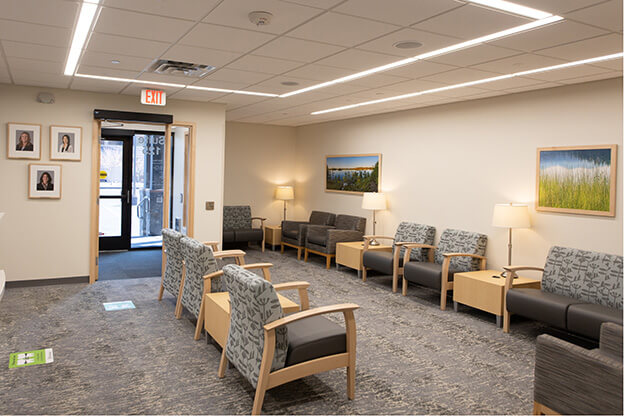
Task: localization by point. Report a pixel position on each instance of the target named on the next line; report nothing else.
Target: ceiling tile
(196, 95)
(377, 80)
(398, 12)
(610, 64)
(557, 6)
(264, 64)
(37, 78)
(591, 78)
(189, 9)
(460, 76)
(34, 51)
(321, 4)
(165, 78)
(474, 55)
(103, 71)
(34, 34)
(608, 15)
(588, 48)
(4, 75)
(20, 64)
(518, 63)
(297, 49)
(338, 29)
(511, 83)
(120, 45)
(222, 38)
(549, 36)
(357, 59)
(135, 90)
(92, 58)
(567, 73)
(43, 12)
(234, 101)
(91, 85)
(470, 22)
(461, 92)
(198, 55)
(239, 76)
(430, 42)
(412, 86)
(542, 85)
(221, 84)
(420, 69)
(274, 84)
(318, 72)
(141, 25)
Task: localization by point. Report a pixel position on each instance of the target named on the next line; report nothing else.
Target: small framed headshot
(23, 141)
(65, 143)
(44, 181)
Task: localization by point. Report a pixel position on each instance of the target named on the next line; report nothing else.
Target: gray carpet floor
(412, 358)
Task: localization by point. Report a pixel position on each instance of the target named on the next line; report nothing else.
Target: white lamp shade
(1, 215)
(284, 192)
(511, 216)
(374, 201)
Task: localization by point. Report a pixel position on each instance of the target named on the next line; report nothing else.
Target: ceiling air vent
(179, 68)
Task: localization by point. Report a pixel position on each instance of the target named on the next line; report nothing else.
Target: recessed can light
(115, 61)
(289, 83)
(407, 45)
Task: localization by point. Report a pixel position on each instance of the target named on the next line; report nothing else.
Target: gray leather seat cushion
(317, 239)
(383, 262)
(291, 233)
(586, 318)
(228, 236)
(426, 274)
(246, 235)
(312, 338)
(541, 306)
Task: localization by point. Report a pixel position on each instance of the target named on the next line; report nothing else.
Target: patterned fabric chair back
(237, 217)
(199, 262)
(321, 218)
(416, 232)
(253, 303)
(174, 258)
(346, 222)
(453, 240)
(589, 276)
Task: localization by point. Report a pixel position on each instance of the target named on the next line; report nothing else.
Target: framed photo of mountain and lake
(353, 174)
(579, 180)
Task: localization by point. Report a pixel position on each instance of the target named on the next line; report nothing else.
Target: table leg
(359, 272)
(273, 247)
(337, 266)
(499, 321)
(455, 306)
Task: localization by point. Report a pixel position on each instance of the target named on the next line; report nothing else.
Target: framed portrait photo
(44, 181)
(23, 141)
(65, 143)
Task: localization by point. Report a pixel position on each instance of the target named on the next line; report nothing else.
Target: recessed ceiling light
(115, 61)
(407, 45)
(289, 83)
(260, 18)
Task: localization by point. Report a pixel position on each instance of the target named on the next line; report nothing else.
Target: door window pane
(111, 167)
(110, 217)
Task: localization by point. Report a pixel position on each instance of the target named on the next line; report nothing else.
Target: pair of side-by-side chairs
(265, 346)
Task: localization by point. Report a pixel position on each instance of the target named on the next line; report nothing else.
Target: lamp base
(374, 242)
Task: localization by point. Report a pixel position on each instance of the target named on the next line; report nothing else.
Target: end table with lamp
(374, 201)
(284, 193)
(511, 216)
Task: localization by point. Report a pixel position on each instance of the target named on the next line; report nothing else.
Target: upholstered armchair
(392, 263)
(200, 261)
(294, 232)
(270, 349)
(458, 251)
(571, 380)
(322, 240)
(237, 226)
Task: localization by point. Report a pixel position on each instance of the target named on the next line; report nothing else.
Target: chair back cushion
(174, 258)
(254, 303)
(453, 240)
(199, 261)
(416, 232)
(237, 217)
(346, 222)
(588, 276)
(321, 218)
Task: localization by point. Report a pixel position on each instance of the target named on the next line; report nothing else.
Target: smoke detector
(406, 45)
(260, 18)
(180, 68)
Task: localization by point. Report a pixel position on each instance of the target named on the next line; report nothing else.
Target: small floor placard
(30, 358)
(117, 306)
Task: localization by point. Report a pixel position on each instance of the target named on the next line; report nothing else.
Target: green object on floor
(30, 358)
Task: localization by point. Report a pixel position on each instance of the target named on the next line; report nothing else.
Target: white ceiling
(307, 42)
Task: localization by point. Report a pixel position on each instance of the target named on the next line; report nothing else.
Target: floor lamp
(374, 201)
(511, 216)
(284, 193)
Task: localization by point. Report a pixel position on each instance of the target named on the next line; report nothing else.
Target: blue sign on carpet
(117, 306)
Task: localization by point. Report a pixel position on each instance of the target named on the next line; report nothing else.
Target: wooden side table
(350, 254)
(483, 290)
(273, 235)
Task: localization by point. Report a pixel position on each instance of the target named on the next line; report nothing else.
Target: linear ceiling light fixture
(81, 32)
(517, 9)
(239, 92)
(474, 82)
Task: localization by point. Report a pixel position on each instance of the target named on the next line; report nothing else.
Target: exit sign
(153, 97)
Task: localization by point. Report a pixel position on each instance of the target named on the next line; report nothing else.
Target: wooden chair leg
(305, 254)
(223, 364)
(200, 319)
(299, 254)
(506, 321)
(364, 274)
(404, 286)
(328, 262)
(443, 300)
(351, 348)
(282, 248)
(537, 409)
(178, 305)
(265, 368)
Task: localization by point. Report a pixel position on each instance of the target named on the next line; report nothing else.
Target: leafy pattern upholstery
(453, 240)
(174, 257)
(199, 261)
(237, 217)
(416, 232)
(254, 303)
(584, 275)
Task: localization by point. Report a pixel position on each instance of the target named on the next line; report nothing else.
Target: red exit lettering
(153, 97)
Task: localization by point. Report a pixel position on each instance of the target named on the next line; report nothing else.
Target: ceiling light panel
(510, 7)
(89, 8)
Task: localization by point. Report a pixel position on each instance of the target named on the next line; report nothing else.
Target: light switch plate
(209, 205)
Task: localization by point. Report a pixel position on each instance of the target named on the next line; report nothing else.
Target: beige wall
(448, 165)
(258, 158)
(50, 238)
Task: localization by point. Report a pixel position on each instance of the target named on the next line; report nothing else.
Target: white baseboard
(2, 283)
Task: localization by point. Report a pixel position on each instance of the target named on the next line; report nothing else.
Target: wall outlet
(209, 205)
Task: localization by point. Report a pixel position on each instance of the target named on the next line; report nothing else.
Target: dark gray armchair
(322, 240)
(237, 226)
(294, 232)
(570, 379)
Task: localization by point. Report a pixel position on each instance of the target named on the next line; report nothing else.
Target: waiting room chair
(322, 240)
(270, 350)
(294, 232)
(392, 263)
(237, 226)
(571, 380)
(457, 251)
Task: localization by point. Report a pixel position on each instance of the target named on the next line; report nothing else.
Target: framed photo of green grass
(353, 174)
(579, 180)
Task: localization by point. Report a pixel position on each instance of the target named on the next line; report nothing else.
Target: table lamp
(511, 216)
(284, 193)
(374, 201)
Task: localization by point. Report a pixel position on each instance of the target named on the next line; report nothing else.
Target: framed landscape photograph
(23, 141)
(353, 174)
(579, 180)
(44, 181)
(65, 143)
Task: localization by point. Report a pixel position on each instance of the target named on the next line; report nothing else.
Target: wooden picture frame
(37, 185)
(577, 179)
(359, 163)
(24, 141)
(66, 142)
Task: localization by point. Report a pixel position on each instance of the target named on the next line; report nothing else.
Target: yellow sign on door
(103, 174)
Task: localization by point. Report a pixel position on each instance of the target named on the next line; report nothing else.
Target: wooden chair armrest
(377, 237)
(461, 254)
(412, 245)
(213, 244)
(246, 266)
(515, 268)
(229, 253)
(259, 218)
(301, 287)
(342, 307)
(213, 275)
